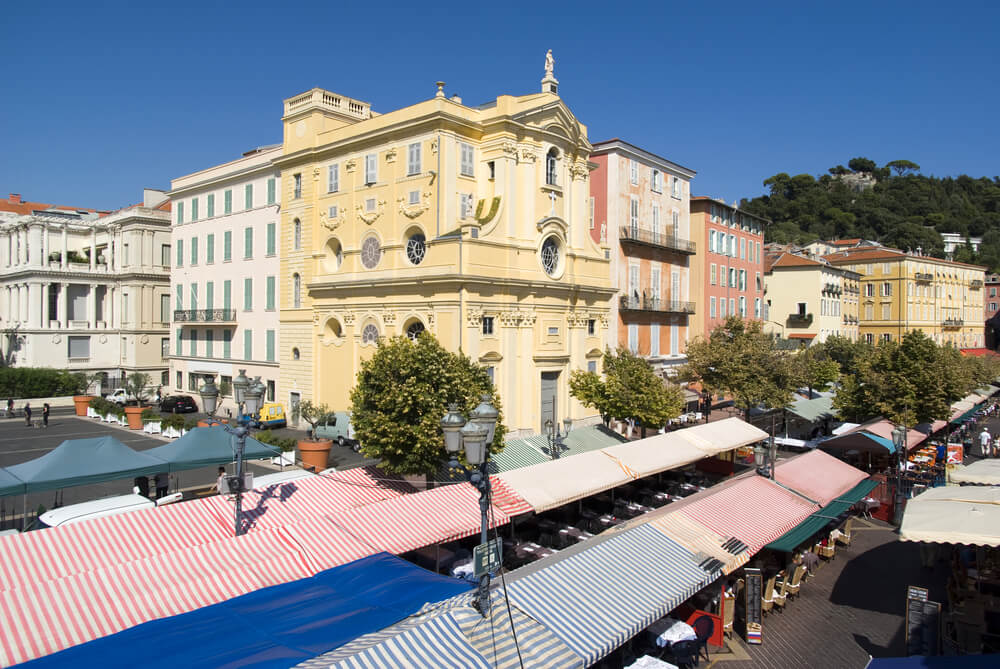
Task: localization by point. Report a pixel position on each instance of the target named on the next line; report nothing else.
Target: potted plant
(81, 402)
(136, 386)
(314, 453)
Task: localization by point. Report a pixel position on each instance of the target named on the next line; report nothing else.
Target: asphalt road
(19, 443)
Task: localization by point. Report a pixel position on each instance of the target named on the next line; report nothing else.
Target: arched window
(297, 234)
(550, 255)
(416, 248)
(551, 158)
(369, 335)
(414, 330)
(296, 291)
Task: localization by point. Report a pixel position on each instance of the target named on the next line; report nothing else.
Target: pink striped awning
(412, 521)
(754, 509)
(818, 476)
(505, 499)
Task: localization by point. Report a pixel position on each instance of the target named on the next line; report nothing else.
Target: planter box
(110, 418)
(152, 427)
(133, 417)
(82, 404)
(286, 458)
(93, 414)
(171, 432)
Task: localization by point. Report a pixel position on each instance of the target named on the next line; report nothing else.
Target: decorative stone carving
(577, 319)
(579, 171)
(434, 146)
(390, 155)
(316, 317)
(413, 210)
(429, 319)
(389, 317)
(517, 319)
(330, 224)
(370, 217)
(56, 339)
(315, 174)
(474, 317)
(104, 339)
(144, 339)
(510, 148)
(528, 155)
(351, 165)
(348, 317)
(603, 318)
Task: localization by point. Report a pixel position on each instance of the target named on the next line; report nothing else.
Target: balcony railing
(952, 323)
(850, 320)
(661, 240)
(799, 320)
(205, 315)
(976, 284)
(655, 304)
(832, 289)
(923, 276)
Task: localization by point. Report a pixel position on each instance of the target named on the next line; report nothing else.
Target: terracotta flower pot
(134, 417)
(80, 403)
(314, 453)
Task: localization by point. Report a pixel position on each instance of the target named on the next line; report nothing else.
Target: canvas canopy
(557, 482)
(205, 446)
(818, 476)
(10, 484)
(984, 472)
(83, 461)
(954, 515)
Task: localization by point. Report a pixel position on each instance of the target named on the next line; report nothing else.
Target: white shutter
(413, 159)
(371, 169)
(333, 179)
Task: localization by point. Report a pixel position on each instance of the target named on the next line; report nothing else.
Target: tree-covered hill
(903, 209)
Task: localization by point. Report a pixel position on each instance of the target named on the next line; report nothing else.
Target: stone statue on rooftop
(550, 63)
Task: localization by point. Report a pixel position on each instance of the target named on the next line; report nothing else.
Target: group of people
(27, 412)
(989, 447)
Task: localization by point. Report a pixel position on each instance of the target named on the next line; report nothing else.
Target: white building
(224, 282)
(85, 290)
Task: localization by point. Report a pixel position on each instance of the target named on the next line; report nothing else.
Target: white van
(106, 506)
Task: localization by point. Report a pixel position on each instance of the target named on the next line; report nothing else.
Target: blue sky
(103, 99)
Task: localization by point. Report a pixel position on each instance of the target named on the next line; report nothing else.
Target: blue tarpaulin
(274, 627)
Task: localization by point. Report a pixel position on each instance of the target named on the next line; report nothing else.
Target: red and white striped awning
(818, 476)
(413, 521)
(505, 499)
(754, 509)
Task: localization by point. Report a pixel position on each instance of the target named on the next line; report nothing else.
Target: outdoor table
(531, 550)
(574, 533)
(669, 631)
(607, 520)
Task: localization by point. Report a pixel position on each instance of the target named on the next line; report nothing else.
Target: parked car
(178, 404)
(118, 397)
(337, 426)
(271, 415)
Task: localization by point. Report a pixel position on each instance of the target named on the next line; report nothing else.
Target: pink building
(640, 209)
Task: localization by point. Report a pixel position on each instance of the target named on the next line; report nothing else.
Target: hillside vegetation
(903, 209)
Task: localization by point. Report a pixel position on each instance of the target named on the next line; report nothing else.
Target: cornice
(460, 280)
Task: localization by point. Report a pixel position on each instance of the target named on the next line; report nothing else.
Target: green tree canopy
(817, 369)
(738, 359)
(901, 167)
(630, 389)
(403, 392)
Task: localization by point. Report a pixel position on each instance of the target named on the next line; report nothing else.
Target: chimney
(14, 198)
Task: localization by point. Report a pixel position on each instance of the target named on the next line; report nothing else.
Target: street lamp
(475, 435)
(899, 441)
(556, 440)
(240, 385)
(209, 395)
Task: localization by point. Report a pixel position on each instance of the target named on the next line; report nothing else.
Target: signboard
(923, 623)
(752, 592)
(956, 454)
(486, 557)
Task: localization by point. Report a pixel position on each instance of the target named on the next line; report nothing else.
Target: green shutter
(247, 294)
(248, 196)
(227, 344)
(194, 296)
(270, 345)
(180, 253)
(210, 206)
(248, 243)
(270, 239)
(194, 250)
(210, 249)
(180, 212)
(210, 295)
(227, 204)
(227, 294)
(248, 344)
(209, 344)
(193, 334)
(180, 297)
(227, 246)
(194, 209)
(270, 190)
(269, 299)
(179, 342)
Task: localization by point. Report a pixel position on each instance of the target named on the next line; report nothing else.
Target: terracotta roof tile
(14, 204)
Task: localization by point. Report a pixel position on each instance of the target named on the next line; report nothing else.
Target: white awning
(954, 515)
(722, 435)
(657, 454)
(550, 484)
(985, 472)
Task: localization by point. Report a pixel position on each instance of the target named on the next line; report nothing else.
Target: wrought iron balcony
(667, 240)
(205, 315)
(952, 323)
(850, 320)
(797, 320)
(655, 304)
(923, 276)
(976, 284)
(832, 289)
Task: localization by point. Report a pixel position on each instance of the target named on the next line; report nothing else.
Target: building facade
(224, 286)
(729, 271)
(469, 222)
(809, 299)
(992, 303)
(84, 290)
(640, 208)
(902, 292)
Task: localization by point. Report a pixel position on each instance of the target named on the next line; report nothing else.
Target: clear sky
(102, 99)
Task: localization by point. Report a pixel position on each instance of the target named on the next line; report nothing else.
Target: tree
(403, 392)
(10, 340)
(901, 167)
(738, 359)
(846, 352)
(816, 367)
(630, 389)
(136, 385)
(861, 165)
(310, 413)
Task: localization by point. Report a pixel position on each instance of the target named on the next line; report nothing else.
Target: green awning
(804, 531)
(968, 414)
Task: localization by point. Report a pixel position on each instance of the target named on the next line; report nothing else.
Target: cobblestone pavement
(850, 610)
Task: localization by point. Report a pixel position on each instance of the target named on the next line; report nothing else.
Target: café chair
(767, 597)
(845, 532)
(704, 628)
(685, 653)
(780, 595)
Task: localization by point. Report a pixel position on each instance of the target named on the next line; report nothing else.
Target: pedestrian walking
(27, 414)
(45, 415)
(10, 407)
(984, 442)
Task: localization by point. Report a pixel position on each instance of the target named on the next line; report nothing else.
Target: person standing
(10, 407)
(984, 443)
(45, 415)
(221, 484)
(27, 414)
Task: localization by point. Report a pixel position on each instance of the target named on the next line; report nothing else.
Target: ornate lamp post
(899, 441)
(474, 435)
(240, 385)
(209, 396)
(557, 440)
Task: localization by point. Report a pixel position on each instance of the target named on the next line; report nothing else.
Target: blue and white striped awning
(434, 643)
(601, 597)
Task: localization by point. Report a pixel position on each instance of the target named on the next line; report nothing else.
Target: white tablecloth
(650, 662)
(669, 631)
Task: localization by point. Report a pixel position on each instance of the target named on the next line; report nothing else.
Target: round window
(371, 253)
(416, 248)
(414, 330)
(550, 256)
(369, 335)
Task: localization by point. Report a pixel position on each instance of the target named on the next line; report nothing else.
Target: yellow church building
(470, 222)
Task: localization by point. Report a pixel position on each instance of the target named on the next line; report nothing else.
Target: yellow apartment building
(808, 299)
(467, 221)
(902, 292)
